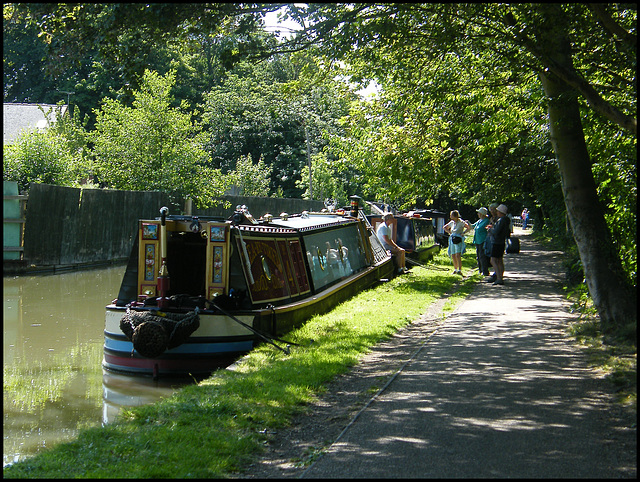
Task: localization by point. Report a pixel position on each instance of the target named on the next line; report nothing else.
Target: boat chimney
(355, 204)
(163, 275)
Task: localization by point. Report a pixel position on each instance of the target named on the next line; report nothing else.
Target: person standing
(525, 218)
(479, 237)
(488, 242)
(384, 235)
(499, 232)
(456, 228)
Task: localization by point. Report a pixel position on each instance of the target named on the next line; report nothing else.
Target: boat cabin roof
(310, 221)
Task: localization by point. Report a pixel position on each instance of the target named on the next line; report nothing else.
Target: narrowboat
(198, 292)
(414, 232)
(439, 219)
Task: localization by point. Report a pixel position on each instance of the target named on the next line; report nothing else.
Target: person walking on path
(498, 389)
(499, 232)
(384, 235)
(525, 218)
(479, 237)
(456, 228)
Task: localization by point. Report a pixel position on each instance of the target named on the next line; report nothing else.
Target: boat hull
(220, 340)
(424, 255)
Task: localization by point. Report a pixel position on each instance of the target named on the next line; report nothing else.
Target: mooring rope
(425, 266)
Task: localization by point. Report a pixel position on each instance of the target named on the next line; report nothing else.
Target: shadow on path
(499, 391)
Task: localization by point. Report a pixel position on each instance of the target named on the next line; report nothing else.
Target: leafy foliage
(324, 183)
(57, 155)
(462, 111)
(250, 179)
(38, 157)
(268, 112)
(460, 116)
(153, 146)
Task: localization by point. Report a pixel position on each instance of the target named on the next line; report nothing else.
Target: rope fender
(154, 332)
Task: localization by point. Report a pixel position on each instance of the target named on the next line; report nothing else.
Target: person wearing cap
(479, 237)
(456, 228)
(384, 235)
(488, 242)
(499, 232)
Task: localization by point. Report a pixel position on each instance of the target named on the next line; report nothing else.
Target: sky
(286, 27)
(272, 23)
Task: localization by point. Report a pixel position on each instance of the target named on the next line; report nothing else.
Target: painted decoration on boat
(149, 231)
(266, 269)
(217, 233)
(217, 264)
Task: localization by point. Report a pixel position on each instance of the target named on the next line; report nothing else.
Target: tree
(23, 60)
(152, 146)
(249, 179)
(605, 277)
(270, 112)
(56, 155)
(39, 157)
(324, 182)
(102, 50)
(502, 45)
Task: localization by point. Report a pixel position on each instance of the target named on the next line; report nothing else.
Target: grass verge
(215, 428)
(614, 355)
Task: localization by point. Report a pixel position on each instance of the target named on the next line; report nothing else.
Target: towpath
(497, 390)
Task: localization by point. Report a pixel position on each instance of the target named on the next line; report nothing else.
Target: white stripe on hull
(210, 325)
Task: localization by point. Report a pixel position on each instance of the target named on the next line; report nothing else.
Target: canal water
(53, 379)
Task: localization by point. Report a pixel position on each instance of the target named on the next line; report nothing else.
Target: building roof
(18, 118)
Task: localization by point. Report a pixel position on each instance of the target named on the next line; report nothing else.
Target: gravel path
(494, 390)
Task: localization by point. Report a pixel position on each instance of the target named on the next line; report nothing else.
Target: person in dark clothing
(488, 242)
(499, 232)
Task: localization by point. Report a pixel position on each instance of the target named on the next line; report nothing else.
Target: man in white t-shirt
(384, 235)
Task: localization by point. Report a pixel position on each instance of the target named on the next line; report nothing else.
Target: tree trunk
(614, 299)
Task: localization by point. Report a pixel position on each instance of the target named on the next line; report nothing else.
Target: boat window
(334, 254)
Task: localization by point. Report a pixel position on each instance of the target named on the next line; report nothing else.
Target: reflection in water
(121, 390)
(52, 360)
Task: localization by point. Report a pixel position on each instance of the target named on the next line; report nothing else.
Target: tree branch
(600, 11)
(571, 77)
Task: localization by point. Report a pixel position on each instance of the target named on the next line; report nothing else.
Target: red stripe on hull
(158, 367)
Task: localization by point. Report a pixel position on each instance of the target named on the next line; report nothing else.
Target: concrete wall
(68, 226)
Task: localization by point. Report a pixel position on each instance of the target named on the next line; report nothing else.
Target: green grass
(615, 357)
(219, 426)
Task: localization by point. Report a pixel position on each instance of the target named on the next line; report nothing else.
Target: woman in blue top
(456, 228)
(479, 236)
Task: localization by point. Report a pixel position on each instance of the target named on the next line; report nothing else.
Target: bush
(37, 156)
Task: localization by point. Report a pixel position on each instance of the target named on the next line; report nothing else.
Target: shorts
(456, 248)
(497, 250)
